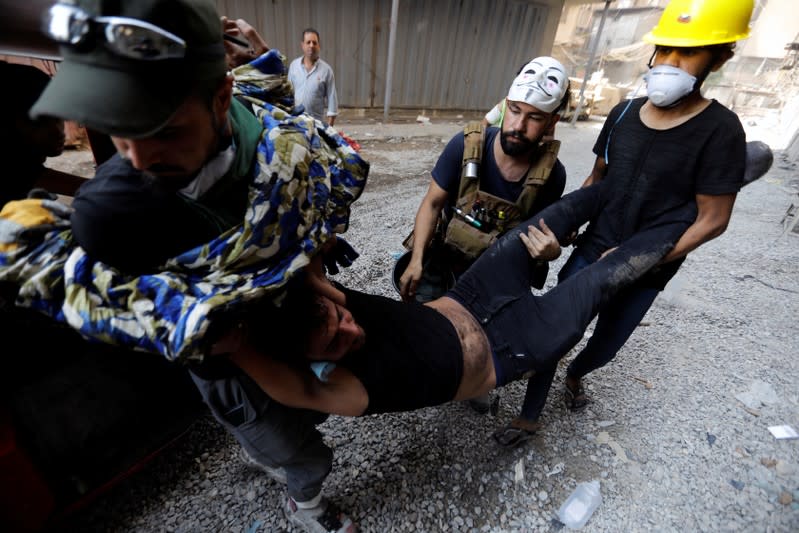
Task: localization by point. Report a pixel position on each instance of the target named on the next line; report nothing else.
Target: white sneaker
(324, 518)
(276, 473)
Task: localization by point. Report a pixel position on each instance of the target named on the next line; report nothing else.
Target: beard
(515, 149)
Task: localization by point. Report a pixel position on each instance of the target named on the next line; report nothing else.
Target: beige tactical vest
(480, 218)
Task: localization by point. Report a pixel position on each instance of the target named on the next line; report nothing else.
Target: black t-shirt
(653, 174)
(447, 174)
(412, 357)
(134, 222)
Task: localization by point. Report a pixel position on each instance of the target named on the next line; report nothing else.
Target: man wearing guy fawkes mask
(670, 149)
(511, 154)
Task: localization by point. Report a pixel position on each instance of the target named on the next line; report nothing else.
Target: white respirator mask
(667, 85)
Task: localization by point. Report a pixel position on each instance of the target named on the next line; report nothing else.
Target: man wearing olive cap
(195, 217)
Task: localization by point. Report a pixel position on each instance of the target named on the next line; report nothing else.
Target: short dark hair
(310, 30)
(284, 331)
(205, 90)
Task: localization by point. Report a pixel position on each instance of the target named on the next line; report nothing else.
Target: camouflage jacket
(305, 177)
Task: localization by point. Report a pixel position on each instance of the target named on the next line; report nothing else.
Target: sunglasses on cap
(126, 37)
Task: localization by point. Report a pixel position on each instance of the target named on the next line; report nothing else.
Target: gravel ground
(676, 433)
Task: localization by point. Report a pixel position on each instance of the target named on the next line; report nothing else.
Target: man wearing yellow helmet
(658, 153)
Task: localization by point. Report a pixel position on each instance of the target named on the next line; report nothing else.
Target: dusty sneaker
(276, 473)
(325, 517)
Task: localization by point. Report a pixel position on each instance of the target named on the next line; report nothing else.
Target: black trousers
(529, 333)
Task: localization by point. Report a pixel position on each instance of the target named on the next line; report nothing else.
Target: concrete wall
(776, 25)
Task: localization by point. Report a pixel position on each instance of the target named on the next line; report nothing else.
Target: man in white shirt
(313, 80)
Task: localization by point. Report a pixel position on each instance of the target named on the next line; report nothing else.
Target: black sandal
(511, 435)
(576, 401)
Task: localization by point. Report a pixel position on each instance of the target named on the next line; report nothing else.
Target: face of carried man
(523, 127)
(338, 334)
(187, 142)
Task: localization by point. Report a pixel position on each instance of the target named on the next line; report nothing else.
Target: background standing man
(313, 80)
(657, 154)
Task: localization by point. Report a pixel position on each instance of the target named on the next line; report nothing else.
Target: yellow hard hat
(689, 23)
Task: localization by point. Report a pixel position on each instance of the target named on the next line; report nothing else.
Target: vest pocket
(467, 239)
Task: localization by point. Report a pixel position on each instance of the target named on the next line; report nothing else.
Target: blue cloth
(322, 369)
(304, 179)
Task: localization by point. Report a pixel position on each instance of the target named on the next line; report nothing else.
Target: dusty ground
(677, 431)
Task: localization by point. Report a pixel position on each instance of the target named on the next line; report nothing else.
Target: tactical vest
(480, 218)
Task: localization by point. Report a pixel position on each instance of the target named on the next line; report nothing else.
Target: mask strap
(629, 103)
(607, 143)
(652, 58)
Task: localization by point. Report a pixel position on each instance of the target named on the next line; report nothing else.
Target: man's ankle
(528, 425)
(573, 383)
(319, 516)
(308, 504)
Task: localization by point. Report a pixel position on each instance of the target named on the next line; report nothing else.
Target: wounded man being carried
(371, 354)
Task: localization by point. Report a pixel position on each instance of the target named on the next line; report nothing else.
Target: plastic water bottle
(580, 505)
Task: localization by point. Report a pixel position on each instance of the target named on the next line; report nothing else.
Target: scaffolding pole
(590, 63)
(392, 36)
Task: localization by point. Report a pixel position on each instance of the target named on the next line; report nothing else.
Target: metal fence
(450, 54)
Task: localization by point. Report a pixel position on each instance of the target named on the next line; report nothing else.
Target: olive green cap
(133, 98)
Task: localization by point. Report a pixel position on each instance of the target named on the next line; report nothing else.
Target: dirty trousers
(272, 433)
(529, 333)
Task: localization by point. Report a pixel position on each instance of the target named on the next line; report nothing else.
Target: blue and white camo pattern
(305, 178)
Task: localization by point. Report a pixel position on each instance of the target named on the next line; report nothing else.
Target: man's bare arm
(711, 221)
(597, 173)
(342, 393)
(423, 230)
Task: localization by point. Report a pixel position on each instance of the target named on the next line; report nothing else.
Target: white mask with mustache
(541, 83)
